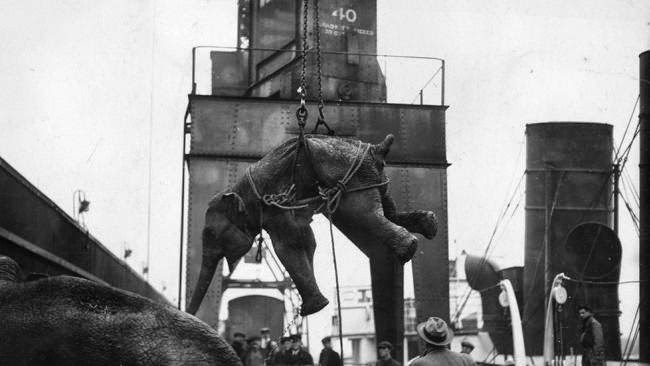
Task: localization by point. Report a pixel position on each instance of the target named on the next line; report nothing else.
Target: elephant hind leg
(418, 221)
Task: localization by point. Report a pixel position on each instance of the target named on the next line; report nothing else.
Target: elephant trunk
(9, 270)
(211, 256)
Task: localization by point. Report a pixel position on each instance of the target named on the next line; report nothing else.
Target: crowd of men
(263, 351)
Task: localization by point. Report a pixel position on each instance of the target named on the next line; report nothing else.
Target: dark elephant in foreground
(66, 320)
(343, 178)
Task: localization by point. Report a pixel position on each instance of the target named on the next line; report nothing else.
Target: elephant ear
(234, 207)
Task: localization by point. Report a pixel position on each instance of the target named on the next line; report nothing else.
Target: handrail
(326, 52)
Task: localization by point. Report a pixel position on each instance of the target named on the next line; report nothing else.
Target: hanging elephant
(280, 194)
(66, 320)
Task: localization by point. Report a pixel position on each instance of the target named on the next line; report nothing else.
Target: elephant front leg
(294, 244)
(418, 221)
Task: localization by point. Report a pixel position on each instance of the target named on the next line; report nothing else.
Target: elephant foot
(313, 305)
(406, 251)
(421, 222)
(429, 225)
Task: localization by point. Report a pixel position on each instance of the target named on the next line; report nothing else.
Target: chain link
(319, 66)
(301, 112)
(302, 89)
(316, 27)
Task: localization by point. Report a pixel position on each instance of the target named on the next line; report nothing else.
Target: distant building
(256, 295)
(359, 343)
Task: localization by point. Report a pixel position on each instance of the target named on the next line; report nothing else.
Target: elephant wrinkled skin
(365, 211)
(66, 320)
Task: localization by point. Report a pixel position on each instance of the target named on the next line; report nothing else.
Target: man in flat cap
(239, 344)
(328, 356)
(280, 356)
(265, 340)
(437, 336)
(591, 338)
(384, 358)
(254, 355)
(298, 356)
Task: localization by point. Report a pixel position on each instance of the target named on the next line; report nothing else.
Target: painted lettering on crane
(345, 14)
(340, 29)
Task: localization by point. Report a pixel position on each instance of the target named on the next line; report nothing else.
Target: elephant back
(65, 320)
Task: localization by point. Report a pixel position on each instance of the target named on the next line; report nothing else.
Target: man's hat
(435, 331)
(385, 344)
(326, 339)
(467, 344)
(296, 338)
(285, 339)
(585, 307)
(239, 334)
(265, 330)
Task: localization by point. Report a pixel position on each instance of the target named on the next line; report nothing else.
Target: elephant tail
(211, 257)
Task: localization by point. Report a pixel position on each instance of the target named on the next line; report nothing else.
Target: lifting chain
(321, 104)
(301, 112)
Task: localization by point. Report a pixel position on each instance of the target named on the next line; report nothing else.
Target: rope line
(336, 278)
(618, 149)
(629, 336)
(623, 159)
(603, 282)
(540, 255)
(633, 216)
(628, 185)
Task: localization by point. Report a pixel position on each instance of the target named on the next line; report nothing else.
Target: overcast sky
(83, 82)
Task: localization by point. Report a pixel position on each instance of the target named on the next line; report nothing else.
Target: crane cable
(321, 121)
(302, 114)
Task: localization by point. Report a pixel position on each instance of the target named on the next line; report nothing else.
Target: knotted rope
(330, 196)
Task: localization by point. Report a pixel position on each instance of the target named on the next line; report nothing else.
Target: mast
(644, 158)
